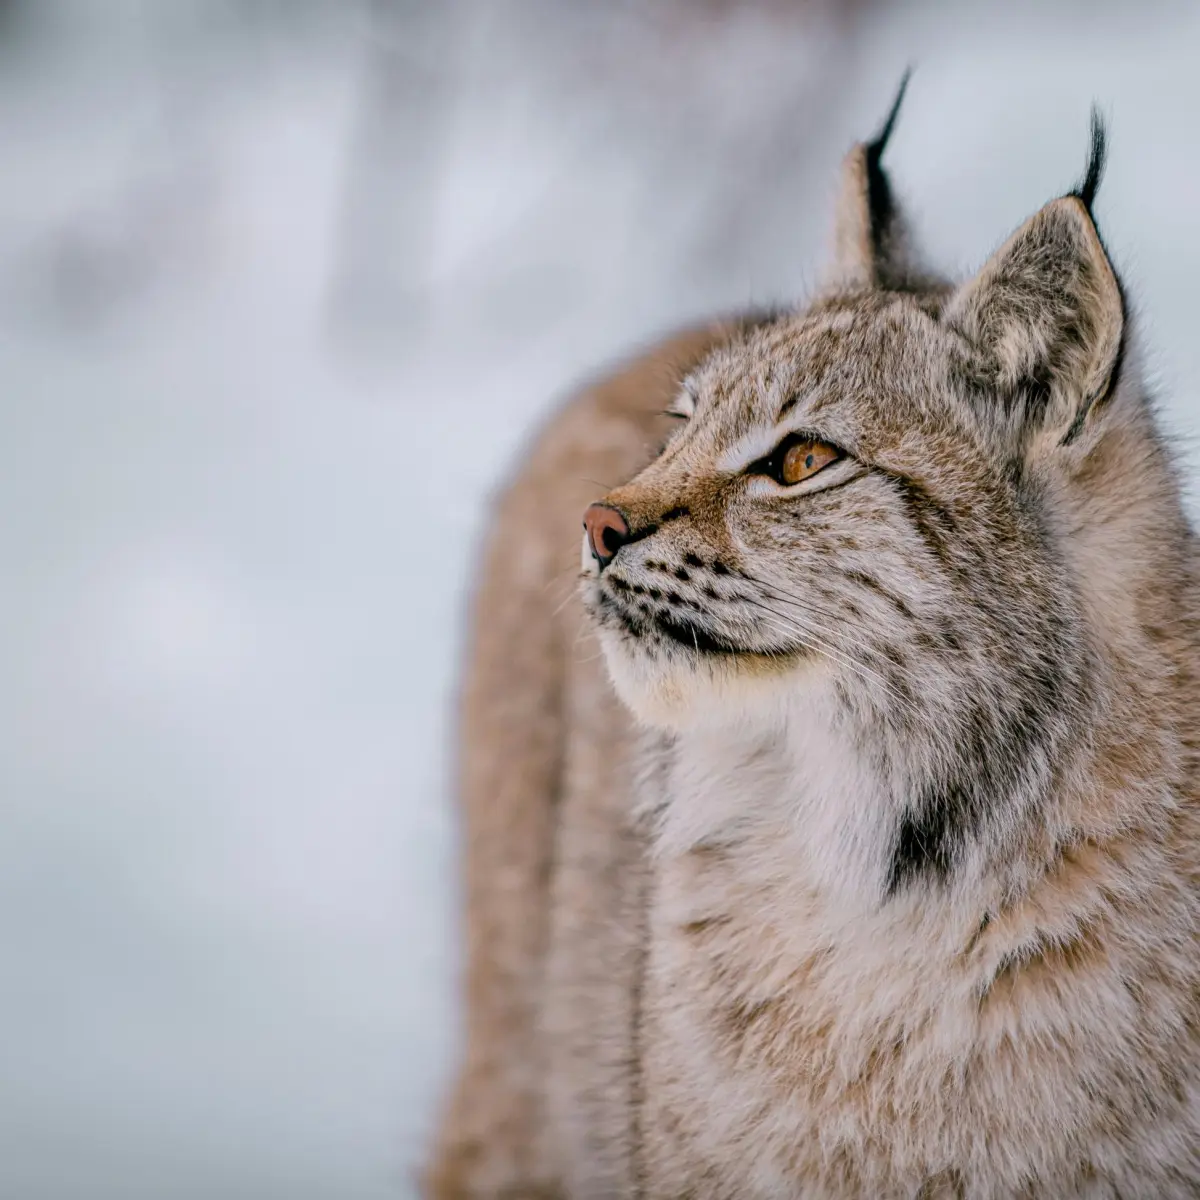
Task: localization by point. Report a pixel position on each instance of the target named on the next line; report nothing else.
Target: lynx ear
(1046, 311)
(870, 241)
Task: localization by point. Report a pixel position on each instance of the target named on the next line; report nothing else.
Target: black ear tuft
(872, 242)
(878, 144)
(1087, 188)
(879, 191)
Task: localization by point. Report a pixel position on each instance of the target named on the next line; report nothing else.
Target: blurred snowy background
(282, 287)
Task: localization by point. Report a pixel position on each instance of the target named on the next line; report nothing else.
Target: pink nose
(607, 532)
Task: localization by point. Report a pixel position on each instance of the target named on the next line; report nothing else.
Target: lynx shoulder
(835, 830)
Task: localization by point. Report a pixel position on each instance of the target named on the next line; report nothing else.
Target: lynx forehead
(883, 877)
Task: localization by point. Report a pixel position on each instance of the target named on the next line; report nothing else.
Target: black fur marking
(1076, 427)
(693, 560)
(645, 622)
(995, 755)
(947, 635)
(939, 822)
(932, 522)
(922, 844)
(673, 514)
(880, 202)
(873, 585)
(1032, 398)
(693, 637)
(719, 568)
(1093, 176)
(681, 574)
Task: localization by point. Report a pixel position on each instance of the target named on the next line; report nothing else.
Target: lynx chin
(838, 834)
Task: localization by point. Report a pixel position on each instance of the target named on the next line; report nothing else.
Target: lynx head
(901, 503)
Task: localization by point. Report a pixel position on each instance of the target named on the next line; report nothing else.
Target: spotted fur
(890, 886)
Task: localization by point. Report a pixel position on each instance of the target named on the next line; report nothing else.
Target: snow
(263, 362)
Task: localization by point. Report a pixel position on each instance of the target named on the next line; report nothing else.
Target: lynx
(839, 836)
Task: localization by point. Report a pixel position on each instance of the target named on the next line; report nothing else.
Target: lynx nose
(607, 532)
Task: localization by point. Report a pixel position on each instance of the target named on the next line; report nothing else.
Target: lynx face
(833, 512)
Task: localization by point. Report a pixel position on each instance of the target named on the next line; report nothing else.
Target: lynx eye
(796, 459)
(802, 459)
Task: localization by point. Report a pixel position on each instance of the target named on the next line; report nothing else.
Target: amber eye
(804, 457)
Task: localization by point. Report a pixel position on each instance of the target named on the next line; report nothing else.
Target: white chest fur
(789, 793)
(775, 970)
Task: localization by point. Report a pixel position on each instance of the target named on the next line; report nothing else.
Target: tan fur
(892, 889)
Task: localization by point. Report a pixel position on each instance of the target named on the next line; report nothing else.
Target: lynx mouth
(668, 627)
